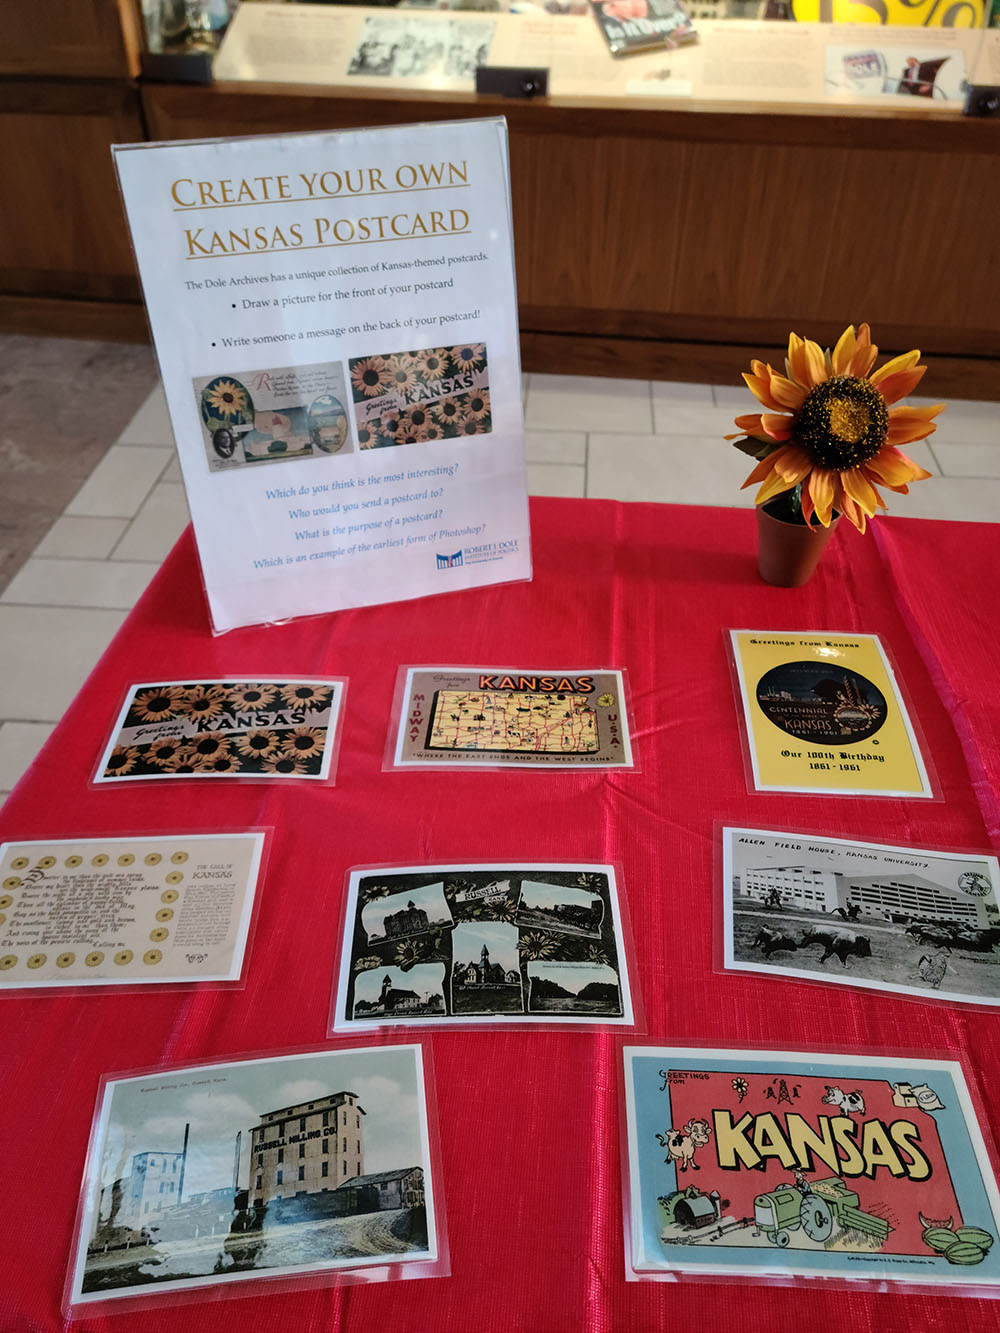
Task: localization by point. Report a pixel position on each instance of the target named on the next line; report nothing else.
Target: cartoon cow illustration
(682, 1144)
(851, 1103)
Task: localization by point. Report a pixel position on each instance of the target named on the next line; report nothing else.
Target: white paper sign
(336, 325)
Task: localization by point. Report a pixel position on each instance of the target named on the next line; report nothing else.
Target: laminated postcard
(105, 911)
(483, 944)
(823, 713)
(270, 729)
(349, 426)
(774, 1164)
(498, 717)
(204, 1177)
(897, 919)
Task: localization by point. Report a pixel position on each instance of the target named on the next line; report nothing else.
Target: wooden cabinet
(673, 242)
(667, 241)
(93, 39)
(63, 232)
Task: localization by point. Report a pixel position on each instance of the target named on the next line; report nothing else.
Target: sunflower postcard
(434, 393)
(263, 729)
(273, 416)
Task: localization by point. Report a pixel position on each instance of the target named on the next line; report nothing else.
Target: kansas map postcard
(490, 717)
(270, 729)
(222, 1173)
(823, 713)
(899, 919)
(113, 911)
(537, 943)
(780, 1164)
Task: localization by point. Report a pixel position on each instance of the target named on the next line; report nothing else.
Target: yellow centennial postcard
(823, 713)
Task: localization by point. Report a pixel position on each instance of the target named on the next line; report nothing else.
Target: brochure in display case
(336, 326)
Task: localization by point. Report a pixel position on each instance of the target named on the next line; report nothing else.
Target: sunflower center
(842, 423)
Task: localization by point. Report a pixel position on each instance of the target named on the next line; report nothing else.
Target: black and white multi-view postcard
(288, 1165)
(899, 919)
(483, 944)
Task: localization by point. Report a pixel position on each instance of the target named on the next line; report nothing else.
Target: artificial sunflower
(830, 433)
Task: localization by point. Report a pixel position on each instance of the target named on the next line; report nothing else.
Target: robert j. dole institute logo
(449, 561)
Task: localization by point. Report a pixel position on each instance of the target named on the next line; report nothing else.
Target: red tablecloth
(529, 1122)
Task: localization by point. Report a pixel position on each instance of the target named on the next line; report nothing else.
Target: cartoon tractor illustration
(818, 1208)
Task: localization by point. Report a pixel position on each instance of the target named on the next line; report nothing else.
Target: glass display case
(674, 210)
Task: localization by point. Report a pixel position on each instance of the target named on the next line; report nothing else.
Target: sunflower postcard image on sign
(823, 713)
(434, 393)
(273, 416)
(263, 729)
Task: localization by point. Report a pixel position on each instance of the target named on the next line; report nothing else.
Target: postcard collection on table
(809, 1164)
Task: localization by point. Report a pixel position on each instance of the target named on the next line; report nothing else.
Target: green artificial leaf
(756, 448)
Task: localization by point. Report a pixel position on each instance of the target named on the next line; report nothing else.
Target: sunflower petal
(892, 468)
(792, 463)
(865, 353)
(844, 351)
(821, 491)
(760, 387)
(763, 469)
(749, 424)
(774, 485)
(905, 432)
(778, 427)
(808, 508)
(925, 412)
(852, 513)
(858, 488)
(815, 363)
(897, 386)
(905, 362)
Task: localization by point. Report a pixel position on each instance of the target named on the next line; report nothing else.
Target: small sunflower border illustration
(831, 430)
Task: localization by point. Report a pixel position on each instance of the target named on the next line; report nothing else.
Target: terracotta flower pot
(788, 553)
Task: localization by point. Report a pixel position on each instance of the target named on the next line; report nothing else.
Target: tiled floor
(599, 438)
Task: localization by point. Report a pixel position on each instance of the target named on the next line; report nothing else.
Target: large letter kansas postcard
(782, 1165)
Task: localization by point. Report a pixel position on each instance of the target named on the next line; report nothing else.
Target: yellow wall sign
(823, 713)
(905, 13)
